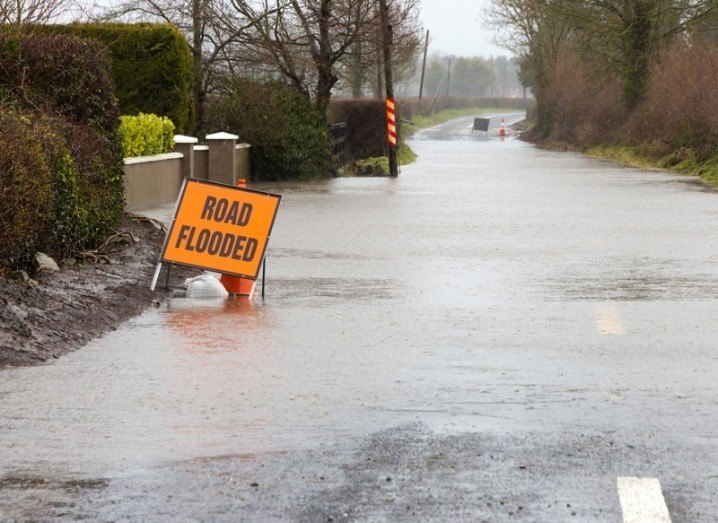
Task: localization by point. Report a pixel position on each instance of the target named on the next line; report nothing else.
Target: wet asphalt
(496, 335)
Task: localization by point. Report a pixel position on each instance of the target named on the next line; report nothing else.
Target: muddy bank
(58, 312)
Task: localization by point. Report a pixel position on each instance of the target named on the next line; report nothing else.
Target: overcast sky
(457, 27)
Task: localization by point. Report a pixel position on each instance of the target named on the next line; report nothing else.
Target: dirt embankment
(58, 312)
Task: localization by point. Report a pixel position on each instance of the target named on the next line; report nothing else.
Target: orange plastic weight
(236, 284)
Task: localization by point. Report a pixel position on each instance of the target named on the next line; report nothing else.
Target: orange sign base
(237, 285)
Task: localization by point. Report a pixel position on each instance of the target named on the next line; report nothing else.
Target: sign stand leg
(156, 276)
(264, 274)
(167, 277)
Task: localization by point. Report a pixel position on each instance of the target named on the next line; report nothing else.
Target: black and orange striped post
(391, 121)
(389, 83)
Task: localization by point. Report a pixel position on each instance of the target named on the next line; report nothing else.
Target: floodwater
(493, 286)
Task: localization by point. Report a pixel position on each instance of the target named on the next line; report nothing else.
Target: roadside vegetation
(150, 65)
(630, 81)
(146, 134)
(61, 187)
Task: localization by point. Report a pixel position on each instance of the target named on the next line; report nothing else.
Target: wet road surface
(497, 335)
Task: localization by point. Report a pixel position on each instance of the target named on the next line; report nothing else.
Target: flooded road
(495, 307)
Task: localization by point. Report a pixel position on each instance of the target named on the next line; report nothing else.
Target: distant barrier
(481, 124)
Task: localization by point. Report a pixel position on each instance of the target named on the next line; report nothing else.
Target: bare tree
(622, 34)
(535, 32)
(363, 65)
(213, 29)
(626, 34)
(305, 40)
(15, 13)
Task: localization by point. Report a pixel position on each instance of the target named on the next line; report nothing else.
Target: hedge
(288, 137)
(58, 140)
(146, 134)
(25, 189)
(151, 67)
(366, 126)
(59, 74)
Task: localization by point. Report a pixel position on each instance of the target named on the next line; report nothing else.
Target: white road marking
(642, 500)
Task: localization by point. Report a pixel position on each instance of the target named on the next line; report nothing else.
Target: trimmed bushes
(288, 138)
(59, 74)
(58, 143)
(366, 126)
(151, 67)
(25, 189)
(146, 134)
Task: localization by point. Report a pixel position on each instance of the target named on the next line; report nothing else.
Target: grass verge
(379, 166)
(683, 161)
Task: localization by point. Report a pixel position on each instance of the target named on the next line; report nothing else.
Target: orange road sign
(220, 228)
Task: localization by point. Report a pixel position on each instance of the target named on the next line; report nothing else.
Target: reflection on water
(608, 320)
(211, 325)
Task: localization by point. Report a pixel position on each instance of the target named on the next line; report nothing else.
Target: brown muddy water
(492, 286)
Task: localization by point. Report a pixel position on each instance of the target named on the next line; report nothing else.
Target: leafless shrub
(680, 108)
(585, 105)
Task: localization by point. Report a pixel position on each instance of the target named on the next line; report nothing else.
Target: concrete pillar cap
(181, 138)
(222, 136)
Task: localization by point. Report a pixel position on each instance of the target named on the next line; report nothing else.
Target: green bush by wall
(58, 141)
(288, 138)
(146, 134)
(151, 67)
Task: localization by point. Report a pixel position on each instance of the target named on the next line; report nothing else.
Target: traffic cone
(502, 130)
(236, 284)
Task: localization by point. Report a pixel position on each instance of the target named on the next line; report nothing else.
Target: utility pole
(388, 37)
(492, 76)
(448, 79)
(423, 65)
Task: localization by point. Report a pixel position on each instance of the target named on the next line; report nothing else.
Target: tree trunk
(325, 83)
(198, 94)
(322, 59)
(637, 51)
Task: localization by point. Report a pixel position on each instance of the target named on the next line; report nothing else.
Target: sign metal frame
(178, 205)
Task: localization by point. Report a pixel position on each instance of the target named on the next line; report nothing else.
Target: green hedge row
(151, 67)
(146, 134)
(61, 168)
